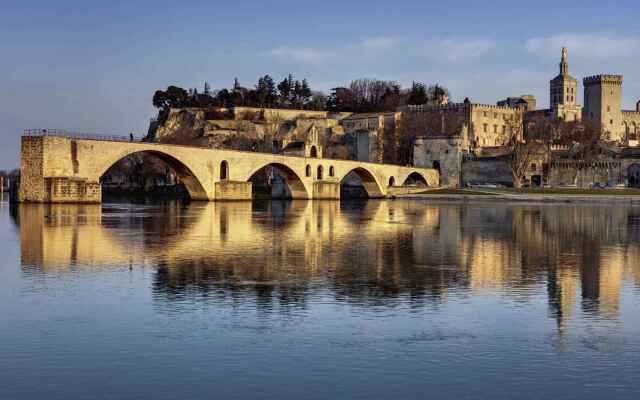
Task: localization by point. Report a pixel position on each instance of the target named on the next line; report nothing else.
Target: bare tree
(522, 153)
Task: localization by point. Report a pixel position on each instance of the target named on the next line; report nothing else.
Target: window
(331, 171)
(495, 129)
(224, 171)
(319, 175)
(484, 127)
(611, 121)
(533, 167)
(307, 171)
(608, 108)
(484, 113)
(495, 115)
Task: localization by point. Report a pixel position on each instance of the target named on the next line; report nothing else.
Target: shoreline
(525, 197)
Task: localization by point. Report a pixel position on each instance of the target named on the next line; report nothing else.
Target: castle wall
(486, 170)
(586, 175)
(444, 154)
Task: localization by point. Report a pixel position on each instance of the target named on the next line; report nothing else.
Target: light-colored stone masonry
(64, 169)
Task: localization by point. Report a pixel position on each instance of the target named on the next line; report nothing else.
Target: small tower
(603, 103)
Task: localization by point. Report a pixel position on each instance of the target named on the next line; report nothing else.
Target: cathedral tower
(562, 91)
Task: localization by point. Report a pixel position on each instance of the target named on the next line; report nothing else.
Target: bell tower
(563, 90)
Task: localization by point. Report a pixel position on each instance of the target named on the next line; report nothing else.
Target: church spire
(564, 64)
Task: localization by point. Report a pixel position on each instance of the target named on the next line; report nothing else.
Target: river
(319, 300)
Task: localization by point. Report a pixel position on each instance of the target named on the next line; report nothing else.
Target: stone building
(487, 124)
(603, 104)
(444, 153)
(526, 102)
(367, 130)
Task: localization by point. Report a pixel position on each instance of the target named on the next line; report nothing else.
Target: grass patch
(570, 191)
(447, 191)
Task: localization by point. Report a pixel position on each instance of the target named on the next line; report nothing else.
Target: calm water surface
(319, 300)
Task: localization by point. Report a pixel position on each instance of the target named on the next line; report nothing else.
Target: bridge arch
(415, 178)
(187, 177)
(292, 180)
(369, 181)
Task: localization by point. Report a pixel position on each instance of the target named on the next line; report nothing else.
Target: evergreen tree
(418, 94)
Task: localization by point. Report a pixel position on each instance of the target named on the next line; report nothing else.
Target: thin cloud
(585, 46)
(446, 51)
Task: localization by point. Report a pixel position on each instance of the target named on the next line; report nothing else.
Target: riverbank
(551, 195)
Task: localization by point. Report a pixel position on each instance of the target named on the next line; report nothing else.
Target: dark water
(320, 300)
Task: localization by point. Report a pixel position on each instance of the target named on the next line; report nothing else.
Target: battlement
(458, 106)
(492, 107)
(608, 79)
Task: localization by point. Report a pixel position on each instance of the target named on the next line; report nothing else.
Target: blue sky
(93, 65)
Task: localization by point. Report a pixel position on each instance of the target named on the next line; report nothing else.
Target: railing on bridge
(79, 135)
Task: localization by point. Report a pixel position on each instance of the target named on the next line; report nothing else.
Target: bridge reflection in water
(364, 253)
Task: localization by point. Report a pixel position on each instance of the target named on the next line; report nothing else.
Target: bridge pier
(233, 190)
(326, 190)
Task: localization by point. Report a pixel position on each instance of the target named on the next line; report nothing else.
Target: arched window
(307, 171)
(392, 181)
(314, 152)
(332, 171)
(319, 175)
(224, 170)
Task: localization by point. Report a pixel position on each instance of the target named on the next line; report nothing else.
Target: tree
(417, 94)
(305, 92)
(318, 101)
(522, 153)
(174, 96)
(341, 99)
(266, 91)
(437, 93)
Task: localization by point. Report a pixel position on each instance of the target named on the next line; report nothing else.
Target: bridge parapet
(63, 133)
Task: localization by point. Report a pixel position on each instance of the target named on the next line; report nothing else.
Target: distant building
(526, 102)
(603, 104)
(367, 131)
(487, 124)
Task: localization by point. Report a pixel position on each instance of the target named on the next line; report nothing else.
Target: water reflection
(375, 253)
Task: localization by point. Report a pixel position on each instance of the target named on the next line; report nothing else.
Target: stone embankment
(489, 195)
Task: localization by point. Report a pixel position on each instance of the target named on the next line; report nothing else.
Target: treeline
(360, 95)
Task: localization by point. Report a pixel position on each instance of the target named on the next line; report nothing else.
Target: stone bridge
(58, 168)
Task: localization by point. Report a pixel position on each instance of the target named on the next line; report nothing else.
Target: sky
(93, 66)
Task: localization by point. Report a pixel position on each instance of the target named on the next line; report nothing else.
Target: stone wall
(487, 170)
(271, 114)
(443, 154)
(32, 170)
(586, 175)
